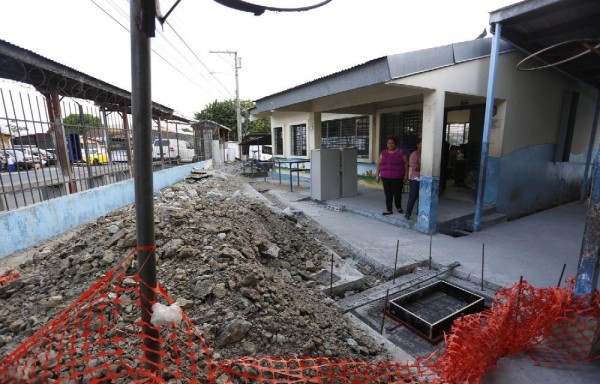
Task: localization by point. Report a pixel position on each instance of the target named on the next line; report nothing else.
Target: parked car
(96, 157)
(18, 158)
(45, 155)
(31, 156)
(174, 150)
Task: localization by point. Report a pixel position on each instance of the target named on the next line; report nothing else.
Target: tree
(223, 112)
(72, 122)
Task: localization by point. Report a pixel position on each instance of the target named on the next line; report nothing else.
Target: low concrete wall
(27, 226)
(529, 180)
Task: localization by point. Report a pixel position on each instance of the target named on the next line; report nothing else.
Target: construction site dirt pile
(240, 270)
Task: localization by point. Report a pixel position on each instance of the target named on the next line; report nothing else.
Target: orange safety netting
(98, 339)
(7, 278)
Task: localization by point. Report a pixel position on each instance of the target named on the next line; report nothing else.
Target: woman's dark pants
(413, 196)
(393, 191)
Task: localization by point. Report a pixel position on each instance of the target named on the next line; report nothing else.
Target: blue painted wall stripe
(429, 190)
(27, 226)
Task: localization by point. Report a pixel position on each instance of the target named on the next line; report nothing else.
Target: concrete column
(431, 157)
(313, 131)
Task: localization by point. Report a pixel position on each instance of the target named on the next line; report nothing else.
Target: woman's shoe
(400, 210)
(386, 213)
(407, 216)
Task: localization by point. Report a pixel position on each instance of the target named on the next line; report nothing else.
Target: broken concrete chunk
(235, 331)
(269, 250)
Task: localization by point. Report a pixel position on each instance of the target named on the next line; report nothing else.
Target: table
(289, 162)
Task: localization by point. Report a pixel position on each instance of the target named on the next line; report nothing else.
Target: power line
(153, 50)
(196, 56)
(124, 13)
(109, 15)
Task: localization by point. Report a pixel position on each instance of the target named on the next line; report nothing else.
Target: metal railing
(98, 147)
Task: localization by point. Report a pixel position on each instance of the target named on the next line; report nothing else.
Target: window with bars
(457, 133)
(404, 126)
(347, 133)
(278, 140)
(299, 140)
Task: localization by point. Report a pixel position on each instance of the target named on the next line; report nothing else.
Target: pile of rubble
(241, 270)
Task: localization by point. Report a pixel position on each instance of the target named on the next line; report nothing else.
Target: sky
(277, 50)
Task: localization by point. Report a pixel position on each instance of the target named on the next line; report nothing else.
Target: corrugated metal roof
(537, 24)
(378, 71)
(23, 65)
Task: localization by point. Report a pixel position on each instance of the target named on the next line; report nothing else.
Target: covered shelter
(439, 95)
(564, 36)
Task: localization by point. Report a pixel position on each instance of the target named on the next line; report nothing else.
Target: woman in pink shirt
(392, 168)
(414, 178)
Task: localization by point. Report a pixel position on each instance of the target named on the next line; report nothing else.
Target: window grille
(299, 140)
(347, 133)
(404, 126)
(457, 133)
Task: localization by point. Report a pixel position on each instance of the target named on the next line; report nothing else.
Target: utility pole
(238, 113)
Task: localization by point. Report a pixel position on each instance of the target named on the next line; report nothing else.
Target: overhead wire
(123, 13)
(126, 15)
(197, 58)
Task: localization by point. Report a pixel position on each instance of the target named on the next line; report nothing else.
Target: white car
(174, 150)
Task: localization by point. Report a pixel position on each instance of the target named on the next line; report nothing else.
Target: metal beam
(589, 260)
(487, 125)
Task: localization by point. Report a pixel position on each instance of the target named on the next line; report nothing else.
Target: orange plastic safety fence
(5, 279)
(99, 339)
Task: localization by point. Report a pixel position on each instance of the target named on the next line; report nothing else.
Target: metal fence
(98, 147)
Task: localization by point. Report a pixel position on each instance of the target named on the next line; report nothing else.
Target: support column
(586, 181)
(142, 27)
(128, 139)
(62, 153)
(314, 132)
(487, 126)
(431, 157)
(589, 260)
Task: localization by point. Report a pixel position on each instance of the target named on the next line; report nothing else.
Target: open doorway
(461, 151)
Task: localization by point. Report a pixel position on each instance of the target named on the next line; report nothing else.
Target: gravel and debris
(242, 271)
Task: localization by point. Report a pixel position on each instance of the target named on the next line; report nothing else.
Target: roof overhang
(376, 72)
(538, 24)
(46, 75)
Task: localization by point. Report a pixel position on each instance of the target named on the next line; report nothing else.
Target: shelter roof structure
(380, 70)
(564, 29)
(46, 75)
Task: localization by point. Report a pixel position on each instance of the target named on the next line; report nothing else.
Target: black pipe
(142, 15)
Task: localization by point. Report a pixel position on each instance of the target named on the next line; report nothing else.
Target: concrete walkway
(535, 247)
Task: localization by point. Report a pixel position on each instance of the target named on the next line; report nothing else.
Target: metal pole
(482, 263)
(561, 275)
(487, 125)
(430, 246)
(238, 111)
(396, 262)
(86, 148)
(128, 139)
(106, 134)
(589, 260)
(160, 146)
(331, 279)
(385, 303)
(142, 28)
(586, 181)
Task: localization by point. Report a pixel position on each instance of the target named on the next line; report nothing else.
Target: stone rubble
(240, 271)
